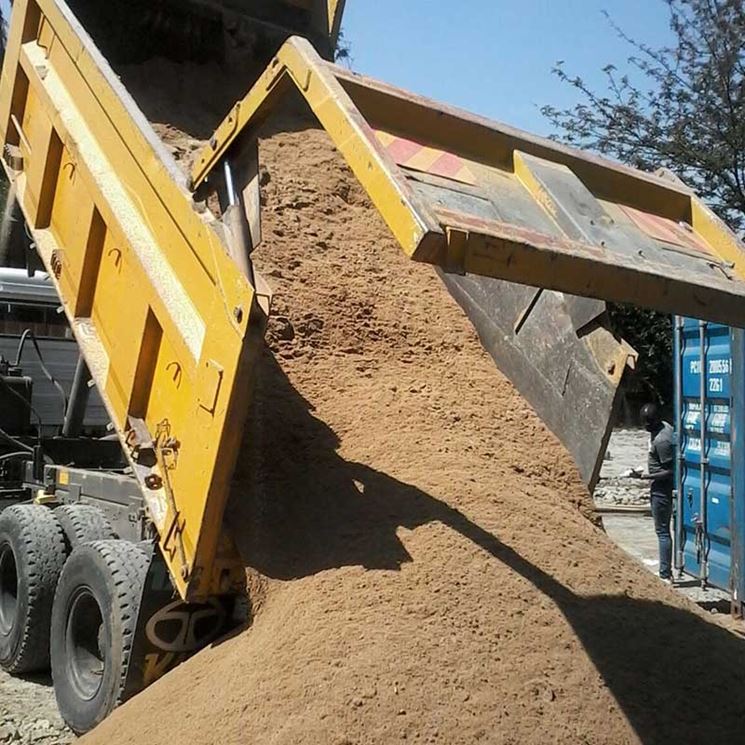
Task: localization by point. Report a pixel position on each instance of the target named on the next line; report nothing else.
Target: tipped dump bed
(154, 277)
(474, 196)
(166, 321)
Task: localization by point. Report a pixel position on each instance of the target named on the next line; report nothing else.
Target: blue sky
(494, 57)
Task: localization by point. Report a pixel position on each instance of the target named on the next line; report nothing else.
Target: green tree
(343, 51)
(650, 333)
(684, 108)
(679, 107)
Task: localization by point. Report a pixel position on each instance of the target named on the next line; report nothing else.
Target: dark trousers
(662, 510)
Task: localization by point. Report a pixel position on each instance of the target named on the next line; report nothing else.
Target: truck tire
(83, 523)
(32, 554)
(93, 627)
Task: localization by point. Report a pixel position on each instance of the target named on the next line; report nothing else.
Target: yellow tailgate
(166, 321)
(474, 196)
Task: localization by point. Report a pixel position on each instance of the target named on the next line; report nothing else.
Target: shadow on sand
(676, 677)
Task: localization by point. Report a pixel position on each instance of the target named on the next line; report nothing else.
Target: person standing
(661, 473)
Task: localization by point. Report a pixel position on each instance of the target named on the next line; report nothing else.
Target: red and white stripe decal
(667, 231)
(417, 157)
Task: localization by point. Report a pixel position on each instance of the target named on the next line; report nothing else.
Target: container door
(704, 447)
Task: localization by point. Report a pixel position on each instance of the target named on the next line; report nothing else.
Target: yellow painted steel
(165, 319)
(715, 232)
(530, 211)
(334, 13)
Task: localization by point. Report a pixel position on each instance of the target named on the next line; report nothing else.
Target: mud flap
(559, 353)
(169, 631)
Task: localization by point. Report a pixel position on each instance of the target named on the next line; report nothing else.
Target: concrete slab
(635, 535)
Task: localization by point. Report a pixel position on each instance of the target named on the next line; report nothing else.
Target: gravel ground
(627, 449)
(28, 712)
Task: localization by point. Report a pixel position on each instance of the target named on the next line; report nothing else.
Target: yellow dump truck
(118, 564)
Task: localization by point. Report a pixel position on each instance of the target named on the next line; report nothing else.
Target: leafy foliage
(679, 107)
(343, 51)
(689, 116)
(650, 333)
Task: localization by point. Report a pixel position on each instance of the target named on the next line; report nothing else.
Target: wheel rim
(84, 644)
(8, 589)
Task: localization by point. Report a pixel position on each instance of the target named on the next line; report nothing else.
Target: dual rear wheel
(69, 597)
(32, 554)
(93, 625)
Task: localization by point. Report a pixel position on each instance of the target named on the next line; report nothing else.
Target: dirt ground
(28, 712)
(421, 560)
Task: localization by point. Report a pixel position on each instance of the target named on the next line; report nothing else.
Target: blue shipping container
(704, 515)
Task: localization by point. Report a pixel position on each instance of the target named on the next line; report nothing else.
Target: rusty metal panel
(559, 353)
(318, 20)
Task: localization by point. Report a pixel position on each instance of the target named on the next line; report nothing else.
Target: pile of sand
(421, 560)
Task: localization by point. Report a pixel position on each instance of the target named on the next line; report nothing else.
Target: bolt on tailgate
(473, 196)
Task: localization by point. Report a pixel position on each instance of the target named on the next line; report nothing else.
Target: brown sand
(421, 562)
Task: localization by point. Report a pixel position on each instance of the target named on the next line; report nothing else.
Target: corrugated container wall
(710, 491)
